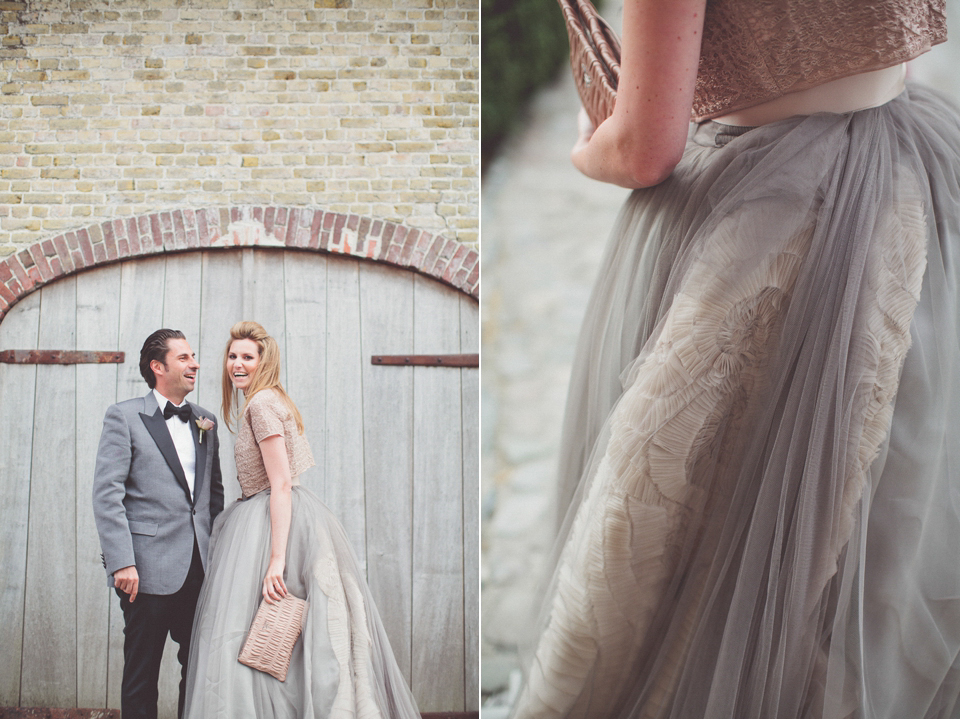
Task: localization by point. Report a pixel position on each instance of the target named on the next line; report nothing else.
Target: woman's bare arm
(274, 452)
(643, 140)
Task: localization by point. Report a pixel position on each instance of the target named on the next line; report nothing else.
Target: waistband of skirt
(847, 94)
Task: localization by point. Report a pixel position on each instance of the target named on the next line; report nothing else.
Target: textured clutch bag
(275, 629)
(594, 58)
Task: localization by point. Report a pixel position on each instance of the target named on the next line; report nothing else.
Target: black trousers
(147, 621)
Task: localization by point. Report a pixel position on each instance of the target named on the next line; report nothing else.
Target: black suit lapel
(201, 448)
(157, 427)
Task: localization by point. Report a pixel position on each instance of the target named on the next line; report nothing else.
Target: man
(156, 492)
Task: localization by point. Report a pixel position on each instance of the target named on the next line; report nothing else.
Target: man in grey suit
(156, 491)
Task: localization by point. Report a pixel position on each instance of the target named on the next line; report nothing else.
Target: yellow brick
(42, 198)
(250, 162)
(167, 148)
(49, 100)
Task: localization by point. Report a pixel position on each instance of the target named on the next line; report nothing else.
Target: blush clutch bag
(594, 58)
(275, 630)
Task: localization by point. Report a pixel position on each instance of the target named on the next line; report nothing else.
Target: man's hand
(127, 580)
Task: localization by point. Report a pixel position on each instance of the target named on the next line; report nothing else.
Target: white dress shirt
(182, 436)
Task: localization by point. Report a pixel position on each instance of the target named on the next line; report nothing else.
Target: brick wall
(116, 108)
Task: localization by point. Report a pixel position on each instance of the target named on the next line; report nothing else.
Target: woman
(764, 504)
(281, 539)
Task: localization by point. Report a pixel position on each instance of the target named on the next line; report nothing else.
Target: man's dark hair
(155, 348)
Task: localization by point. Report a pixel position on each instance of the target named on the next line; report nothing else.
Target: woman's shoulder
(268, 401)
(265, 397)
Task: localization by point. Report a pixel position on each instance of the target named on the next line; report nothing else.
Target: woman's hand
(274, 588)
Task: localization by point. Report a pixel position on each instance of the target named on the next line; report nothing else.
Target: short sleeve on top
(265, 416)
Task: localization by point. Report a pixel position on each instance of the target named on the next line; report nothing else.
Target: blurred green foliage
(522, 44)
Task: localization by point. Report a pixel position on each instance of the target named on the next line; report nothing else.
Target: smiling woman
(281, 540)
(242, 359)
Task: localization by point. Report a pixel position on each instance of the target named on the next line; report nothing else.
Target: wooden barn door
(396, 450)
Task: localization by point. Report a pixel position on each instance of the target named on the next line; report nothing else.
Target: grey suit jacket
(142, 505)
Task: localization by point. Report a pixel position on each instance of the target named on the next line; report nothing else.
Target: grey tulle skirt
(342, 665)
(762, 444)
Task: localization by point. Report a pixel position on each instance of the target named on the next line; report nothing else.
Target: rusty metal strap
(428, 360)
(59, 357)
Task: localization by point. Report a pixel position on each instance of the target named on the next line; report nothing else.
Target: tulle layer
(762, 443)
(342, 665)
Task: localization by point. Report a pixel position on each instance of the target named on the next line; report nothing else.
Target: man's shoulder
(134, 404)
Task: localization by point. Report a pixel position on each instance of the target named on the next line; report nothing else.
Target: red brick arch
(213, 228)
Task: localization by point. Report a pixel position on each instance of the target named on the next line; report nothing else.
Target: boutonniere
(203, 424)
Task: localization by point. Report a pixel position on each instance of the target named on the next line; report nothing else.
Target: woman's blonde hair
(265, 376)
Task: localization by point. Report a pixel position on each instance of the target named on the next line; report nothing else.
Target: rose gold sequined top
(757, 50)
(267, 415)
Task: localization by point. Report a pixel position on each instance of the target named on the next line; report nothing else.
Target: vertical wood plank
(141, 313)
(115, 652)
(181, 310)
(470, 422)
(98, 317)
(49, 673)
(222, 302)
(182, 296)
(343, 448)
(438, 605)
(386, 320)
(305, 298)
(263, 298)
(20, 330)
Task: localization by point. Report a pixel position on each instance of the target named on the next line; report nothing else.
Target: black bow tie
(183, 412)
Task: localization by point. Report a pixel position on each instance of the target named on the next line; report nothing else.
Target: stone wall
(111, 109)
